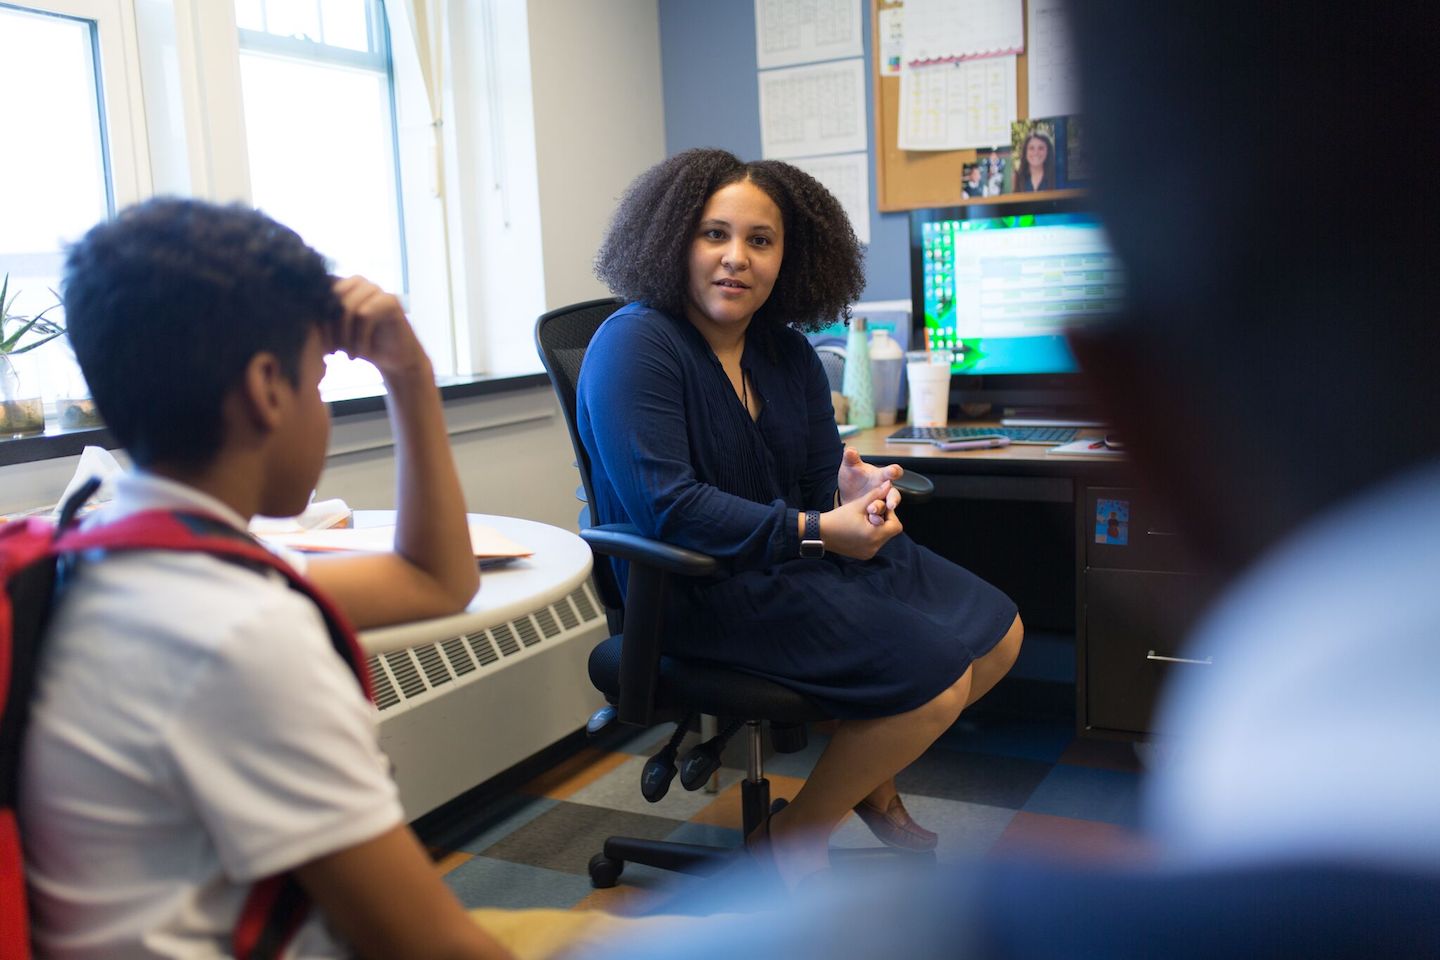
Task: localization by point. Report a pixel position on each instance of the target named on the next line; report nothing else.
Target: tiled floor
(992, 784)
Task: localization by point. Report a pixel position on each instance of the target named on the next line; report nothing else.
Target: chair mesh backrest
(832, 359)
(561, 338)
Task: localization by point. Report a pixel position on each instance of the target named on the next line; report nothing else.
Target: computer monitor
(1000, 284)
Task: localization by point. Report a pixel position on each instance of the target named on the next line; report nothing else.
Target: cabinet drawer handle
(1207, 662)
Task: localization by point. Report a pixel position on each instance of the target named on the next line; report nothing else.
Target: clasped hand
(865, 519)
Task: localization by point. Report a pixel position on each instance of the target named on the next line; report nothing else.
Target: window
(70, 156)
(319, 112)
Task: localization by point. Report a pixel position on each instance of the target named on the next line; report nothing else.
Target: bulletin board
(919, 179)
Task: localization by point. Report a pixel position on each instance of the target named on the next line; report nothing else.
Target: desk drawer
(1125, 529)
(1135, 625)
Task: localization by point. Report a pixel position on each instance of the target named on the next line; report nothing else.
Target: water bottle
(886, 362)
(856, 386)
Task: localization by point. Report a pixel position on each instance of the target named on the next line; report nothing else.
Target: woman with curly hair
(707, 419)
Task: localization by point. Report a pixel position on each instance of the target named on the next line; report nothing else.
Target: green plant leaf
(37, 325)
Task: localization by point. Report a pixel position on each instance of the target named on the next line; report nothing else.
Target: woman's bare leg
(861, 754)
(990, 668)
(985, 673)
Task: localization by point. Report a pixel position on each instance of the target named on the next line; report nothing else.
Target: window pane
(322, 161)
(293, 18)
(345, 24)
(52, 173)
(53, 183)
(250, 14)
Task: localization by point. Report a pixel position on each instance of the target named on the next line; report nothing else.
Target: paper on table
(938, 31)
(957, 106)
(487, 542)
(1051, 62)
(803, 31)
(1082, 448)
(320, 515)
(813, 110)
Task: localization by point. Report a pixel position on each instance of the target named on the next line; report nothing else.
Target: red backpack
(34, 557)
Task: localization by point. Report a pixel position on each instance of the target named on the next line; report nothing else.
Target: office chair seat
(690, 686)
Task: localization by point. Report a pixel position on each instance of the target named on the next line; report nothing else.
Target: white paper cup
(929, 374)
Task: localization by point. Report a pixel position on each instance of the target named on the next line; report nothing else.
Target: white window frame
(122, 111)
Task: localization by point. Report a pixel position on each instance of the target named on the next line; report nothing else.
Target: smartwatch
(811, 546)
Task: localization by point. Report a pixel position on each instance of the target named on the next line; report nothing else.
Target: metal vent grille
(484, 649)
(567, 615)
(460, 660)
(505, 639)
(528, 634)
(433, 665)
(546, 619)
(385, 692)
(403, 669)
(581, 599)
(402, 675)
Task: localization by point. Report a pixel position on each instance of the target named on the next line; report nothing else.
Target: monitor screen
(1000, 284)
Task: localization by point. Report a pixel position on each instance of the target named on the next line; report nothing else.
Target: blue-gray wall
(712, 99)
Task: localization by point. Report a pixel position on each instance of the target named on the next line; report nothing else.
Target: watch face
(812, 549)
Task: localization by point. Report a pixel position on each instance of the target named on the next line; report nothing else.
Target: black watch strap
(811, 546)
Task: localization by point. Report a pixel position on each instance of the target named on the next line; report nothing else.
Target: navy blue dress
(674, 452)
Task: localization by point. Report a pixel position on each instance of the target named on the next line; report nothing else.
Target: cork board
(918, 179)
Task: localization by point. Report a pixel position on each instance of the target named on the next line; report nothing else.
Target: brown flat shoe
(893, 826)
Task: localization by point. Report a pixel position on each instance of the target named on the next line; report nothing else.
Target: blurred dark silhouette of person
(1274, 377)
(1266, 319)
(1035, 164)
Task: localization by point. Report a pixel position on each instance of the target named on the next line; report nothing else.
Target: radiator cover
(459, 710)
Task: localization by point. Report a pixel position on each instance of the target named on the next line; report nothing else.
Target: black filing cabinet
(1138, 594)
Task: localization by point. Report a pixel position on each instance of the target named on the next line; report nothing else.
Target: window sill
(55, 443)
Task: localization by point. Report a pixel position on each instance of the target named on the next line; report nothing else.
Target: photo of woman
(1034, 156)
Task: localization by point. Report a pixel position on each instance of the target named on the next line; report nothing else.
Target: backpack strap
(277, 906)
(27, 576)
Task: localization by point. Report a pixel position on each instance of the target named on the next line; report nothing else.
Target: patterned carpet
(995, 783)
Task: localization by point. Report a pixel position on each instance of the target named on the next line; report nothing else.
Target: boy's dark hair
(167, 304)
(645, 253)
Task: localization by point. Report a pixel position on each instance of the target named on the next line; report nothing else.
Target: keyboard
(1047, 436)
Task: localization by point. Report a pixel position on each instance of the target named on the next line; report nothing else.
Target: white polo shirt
(193, 730)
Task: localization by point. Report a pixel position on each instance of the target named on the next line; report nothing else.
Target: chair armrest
(915, 487)
(624, 541)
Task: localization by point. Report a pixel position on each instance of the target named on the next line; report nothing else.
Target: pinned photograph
(1074, 158)
(1112, 522)
(1033, 143)
(986, 176)
(972, 180)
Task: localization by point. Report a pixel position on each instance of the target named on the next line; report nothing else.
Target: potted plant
(20, 414)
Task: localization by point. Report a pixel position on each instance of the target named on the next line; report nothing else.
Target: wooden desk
(1025, 520)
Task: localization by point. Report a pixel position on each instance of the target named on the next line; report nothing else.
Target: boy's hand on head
(373, 327)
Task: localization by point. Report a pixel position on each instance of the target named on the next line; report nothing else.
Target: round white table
(561, 563)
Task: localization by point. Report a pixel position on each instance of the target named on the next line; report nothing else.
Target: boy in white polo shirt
(193, 729)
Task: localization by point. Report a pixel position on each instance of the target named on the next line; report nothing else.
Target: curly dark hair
(167, 304)
(644, 255)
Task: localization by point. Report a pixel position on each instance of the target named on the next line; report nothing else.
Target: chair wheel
(604, 872)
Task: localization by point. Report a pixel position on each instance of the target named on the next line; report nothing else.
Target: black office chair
(644, 686)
